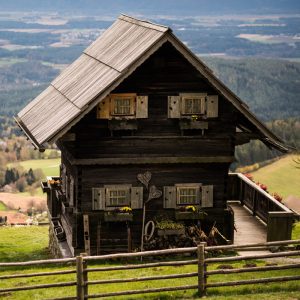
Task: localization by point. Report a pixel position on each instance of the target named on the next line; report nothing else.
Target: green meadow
(282, 176)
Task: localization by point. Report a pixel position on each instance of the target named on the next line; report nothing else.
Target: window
(193, 105)
(110, 197)
(127, 106)
(185, 105)
(122, 105)
(182, 194)
(187, 195)
(118, 197)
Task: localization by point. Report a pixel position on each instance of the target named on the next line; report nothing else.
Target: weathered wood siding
(164, 74)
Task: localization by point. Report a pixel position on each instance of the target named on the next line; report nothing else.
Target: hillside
(281, 177)
(50, 167)
(270, 87)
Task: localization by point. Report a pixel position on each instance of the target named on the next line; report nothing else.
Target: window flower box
(189, 215)
(186, 124)
(118, 217)
(165, 232)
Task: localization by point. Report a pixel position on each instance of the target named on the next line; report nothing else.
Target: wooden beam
(154, 160)
(86, 230)
(245, 137)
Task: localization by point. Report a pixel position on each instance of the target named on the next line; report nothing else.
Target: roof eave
(26, 131)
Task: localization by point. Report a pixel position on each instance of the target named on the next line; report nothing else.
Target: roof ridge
(144, 23)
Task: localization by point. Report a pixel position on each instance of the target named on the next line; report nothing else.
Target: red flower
(277, 197)
(249, 176)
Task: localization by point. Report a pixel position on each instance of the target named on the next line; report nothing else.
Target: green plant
(168, 224)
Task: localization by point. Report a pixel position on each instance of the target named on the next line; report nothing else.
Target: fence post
(201, 269)
(82, 277)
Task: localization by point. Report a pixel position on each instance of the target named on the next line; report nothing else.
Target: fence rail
(202, 275)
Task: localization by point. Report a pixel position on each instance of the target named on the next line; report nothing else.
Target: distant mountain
(167, 7)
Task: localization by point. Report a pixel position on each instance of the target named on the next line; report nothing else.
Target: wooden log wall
(164, 74)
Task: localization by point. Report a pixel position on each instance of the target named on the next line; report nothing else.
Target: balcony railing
(275, 215)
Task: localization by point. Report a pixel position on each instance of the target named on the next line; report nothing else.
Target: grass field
(2, 206)
(23, 243)
(281, 177)
(296, 231)
(32, 243)
(50, 167)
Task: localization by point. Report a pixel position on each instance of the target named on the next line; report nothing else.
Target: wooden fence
(202, 276)
(278, 217)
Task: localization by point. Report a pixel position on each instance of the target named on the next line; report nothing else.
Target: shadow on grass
(292, 286)
(19, 256)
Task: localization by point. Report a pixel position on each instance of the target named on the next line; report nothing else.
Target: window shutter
(71, 202)
(103, 109)
(169, 197)
(98, 200)
(136, 197)
(174, 106)
(212, 106)
(141, 107)
(207, 196)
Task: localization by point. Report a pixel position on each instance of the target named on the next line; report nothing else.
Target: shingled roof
(100, 69)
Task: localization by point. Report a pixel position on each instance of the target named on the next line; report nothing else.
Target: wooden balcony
(277, 217)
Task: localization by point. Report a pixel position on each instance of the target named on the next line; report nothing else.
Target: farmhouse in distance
(146, 132)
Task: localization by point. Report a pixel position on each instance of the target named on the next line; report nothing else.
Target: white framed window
(193, 105)
(118, 197)
(187, 195)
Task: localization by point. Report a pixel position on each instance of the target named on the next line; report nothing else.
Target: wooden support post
(129, 241)
(143, 229)
(201, 269)
(80, 278)
(98, 237)
(254, 201)
(85, 277)
(86, 230)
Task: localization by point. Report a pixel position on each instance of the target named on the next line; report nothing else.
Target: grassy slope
(296, 231)
(50, 167)
(281, 176)
(23, 243)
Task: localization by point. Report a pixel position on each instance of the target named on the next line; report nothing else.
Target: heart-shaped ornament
(154, 193)
(145, 178)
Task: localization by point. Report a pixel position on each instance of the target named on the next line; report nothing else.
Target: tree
(21, 184)
(30, 178)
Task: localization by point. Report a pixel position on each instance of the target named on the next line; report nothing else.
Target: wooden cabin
(137, 104)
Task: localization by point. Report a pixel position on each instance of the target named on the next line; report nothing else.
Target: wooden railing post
(80, 280)
(82, 277)
(201, 269)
